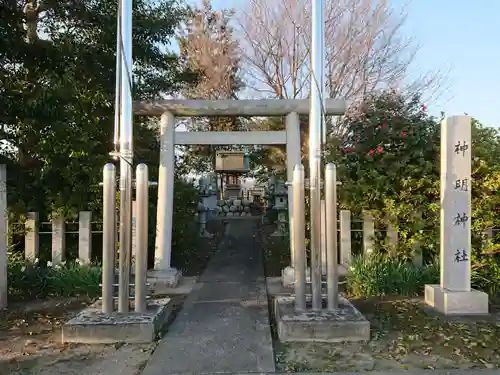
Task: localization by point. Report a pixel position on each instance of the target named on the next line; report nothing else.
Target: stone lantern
(280, 204)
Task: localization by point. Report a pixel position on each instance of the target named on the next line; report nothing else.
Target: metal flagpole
(116, 137)
(315, 122)
(126, 153)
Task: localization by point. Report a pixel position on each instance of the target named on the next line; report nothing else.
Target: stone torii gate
(163, 274)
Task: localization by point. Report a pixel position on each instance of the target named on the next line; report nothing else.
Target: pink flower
(424, 107)
(371, 151)
(347, 149)
(403, 134)
(380, 149)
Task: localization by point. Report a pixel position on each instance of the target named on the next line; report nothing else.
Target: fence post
(418, 259)
(487, 236)
(85, 237)
(4, 235)
(392, 237)
(58, 239)
(368, 233)
(345, 237)
(31, 239)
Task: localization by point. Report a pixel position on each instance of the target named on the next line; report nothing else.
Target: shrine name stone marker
(454, 295)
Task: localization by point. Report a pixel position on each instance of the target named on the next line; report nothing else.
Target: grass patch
(33, 280)
(39, 280)
(379, 276)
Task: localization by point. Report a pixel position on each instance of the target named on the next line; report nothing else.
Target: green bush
(377, 275)
(485, 270)
(388, 160)
(32, 280)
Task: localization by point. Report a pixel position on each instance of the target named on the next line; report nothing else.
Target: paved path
(402, 372)
(224, 323)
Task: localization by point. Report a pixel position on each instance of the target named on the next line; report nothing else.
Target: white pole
(126, 155)
(293, 158)
(108, 237)
(141, 254)
(331, 236)
(315, 121)
(165, 204)
(299, 237)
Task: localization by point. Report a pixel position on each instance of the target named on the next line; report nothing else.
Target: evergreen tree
(57, 84)
(208, 47)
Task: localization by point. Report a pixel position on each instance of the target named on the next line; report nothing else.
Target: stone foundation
(161, 281)
(344, 324)
(91, 326)
(448, 302)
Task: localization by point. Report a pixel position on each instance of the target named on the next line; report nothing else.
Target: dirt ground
(404, 336)
(30, 343)
(30, 334)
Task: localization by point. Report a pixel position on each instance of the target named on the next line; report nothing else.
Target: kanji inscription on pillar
(456, 203)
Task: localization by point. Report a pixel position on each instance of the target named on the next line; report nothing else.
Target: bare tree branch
(366, 49)
(208, 47)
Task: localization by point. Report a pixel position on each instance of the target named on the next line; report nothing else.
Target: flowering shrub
(387, 165)
(388, 162)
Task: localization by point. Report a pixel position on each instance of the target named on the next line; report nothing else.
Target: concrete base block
(288, 275)
(344, 324)
(449, 302)
(91, 326)
(160, 281)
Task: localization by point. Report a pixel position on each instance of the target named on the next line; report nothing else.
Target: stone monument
(454, 295)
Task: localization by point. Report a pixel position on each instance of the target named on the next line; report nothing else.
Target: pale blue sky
(460, 35)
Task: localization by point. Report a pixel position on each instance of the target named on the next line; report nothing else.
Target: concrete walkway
(402, 372)
(223, 326)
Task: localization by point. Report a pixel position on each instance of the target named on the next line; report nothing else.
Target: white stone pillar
(4, 235)
(293, 157)
(134, 237)
(85, 237)
(454, 295)
(31, 239)
(392, 236)
(163, 273)
(345, 237)
(368, 233)
(323, 237)
(58, 239)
